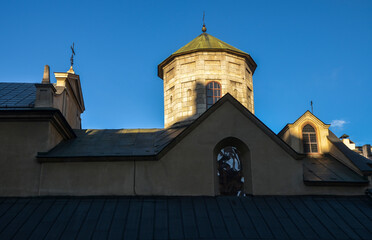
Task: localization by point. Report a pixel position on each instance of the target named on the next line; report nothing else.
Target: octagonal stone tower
(187, 73)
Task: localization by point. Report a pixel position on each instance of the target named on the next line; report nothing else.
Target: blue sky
(305, 50)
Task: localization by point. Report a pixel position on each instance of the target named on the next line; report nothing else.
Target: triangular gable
(74, 83)
(302, 118)
(245, 112)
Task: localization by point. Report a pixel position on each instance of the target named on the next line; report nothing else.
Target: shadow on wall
(197, 104)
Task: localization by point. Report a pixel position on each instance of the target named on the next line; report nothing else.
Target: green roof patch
(206, 41)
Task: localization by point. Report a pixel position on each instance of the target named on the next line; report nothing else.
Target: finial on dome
(204, 29)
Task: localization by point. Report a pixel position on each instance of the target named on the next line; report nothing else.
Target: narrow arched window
(229, 171)
(309, 139)
(213, 93)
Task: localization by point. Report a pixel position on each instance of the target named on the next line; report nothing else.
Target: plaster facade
(189, 168)
(292, 133)
(21, 141)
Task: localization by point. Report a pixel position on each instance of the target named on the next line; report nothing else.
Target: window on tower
(213, 93)
(309, 139)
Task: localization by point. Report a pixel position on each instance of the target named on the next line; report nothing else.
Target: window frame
(310, 143)
(213, 96)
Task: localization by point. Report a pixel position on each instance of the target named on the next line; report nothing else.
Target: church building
(211, 144)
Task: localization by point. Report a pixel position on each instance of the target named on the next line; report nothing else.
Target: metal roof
(14, 95)
(307, 217)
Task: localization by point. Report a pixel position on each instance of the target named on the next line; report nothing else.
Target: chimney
(46, 76)
(45, 91)
(366, 150)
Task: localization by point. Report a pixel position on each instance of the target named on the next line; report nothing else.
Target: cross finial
(204, 29)
(72, 54)
(311, 104)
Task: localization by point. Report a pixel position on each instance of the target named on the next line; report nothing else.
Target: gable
(292, 133)
(327, 143)
(232, 106)
(74, 83)
(265, 158)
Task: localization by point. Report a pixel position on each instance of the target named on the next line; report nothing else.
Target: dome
(208, 43)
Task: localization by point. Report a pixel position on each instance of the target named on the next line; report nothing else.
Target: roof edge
(251, 62)
(358, 160)
(285, 128)
(246, 112)
(50, 159)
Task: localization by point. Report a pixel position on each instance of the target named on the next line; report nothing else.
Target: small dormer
(307, 135)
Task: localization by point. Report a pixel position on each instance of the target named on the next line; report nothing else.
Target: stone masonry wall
(186, 77)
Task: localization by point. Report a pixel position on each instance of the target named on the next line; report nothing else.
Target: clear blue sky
(305, 50)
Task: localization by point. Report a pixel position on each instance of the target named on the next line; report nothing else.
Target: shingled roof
(186, 218)
(17, 95)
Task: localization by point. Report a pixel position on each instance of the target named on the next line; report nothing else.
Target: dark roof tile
(14, 95)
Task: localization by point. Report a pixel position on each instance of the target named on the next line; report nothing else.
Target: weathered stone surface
(186, 77)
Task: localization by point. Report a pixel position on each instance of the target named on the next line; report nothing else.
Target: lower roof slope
(326, 170)
(96, 143)
(362, 163)
(186, 218)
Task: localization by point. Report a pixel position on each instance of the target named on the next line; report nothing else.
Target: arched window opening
(309, 139)
(229, 172)
(188, 93)
(213, 93)
(235, 94)
(171, 103)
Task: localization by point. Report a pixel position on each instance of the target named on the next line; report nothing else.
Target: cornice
(251, 63)
(52, 115)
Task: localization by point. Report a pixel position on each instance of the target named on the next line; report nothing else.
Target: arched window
(213, 93)
(229, 172)
(309, 139)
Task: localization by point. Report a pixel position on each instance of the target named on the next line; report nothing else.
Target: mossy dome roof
(208, 43)
(205, 41)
